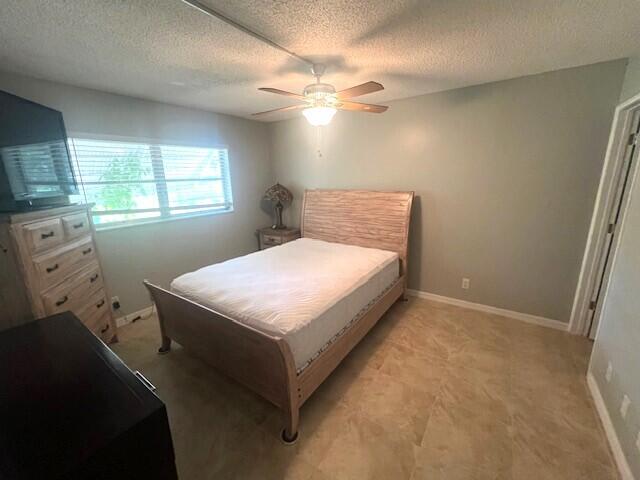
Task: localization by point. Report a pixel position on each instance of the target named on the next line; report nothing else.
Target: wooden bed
(265, 363)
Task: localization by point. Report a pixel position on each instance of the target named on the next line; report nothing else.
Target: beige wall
(505, 173)
(618, 337)
(631, 85)
(162, 251)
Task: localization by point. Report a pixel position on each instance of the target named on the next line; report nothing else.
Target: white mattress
(306, 291)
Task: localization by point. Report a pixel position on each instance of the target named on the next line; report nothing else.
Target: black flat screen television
(35, 165)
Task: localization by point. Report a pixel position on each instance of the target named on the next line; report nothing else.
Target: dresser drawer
(76, 225)
(73, 293)
(100, 325)
(54, 266)
(271, 239)
(95, 307)
(40, 236)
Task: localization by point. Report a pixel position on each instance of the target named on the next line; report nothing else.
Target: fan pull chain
(319, 141)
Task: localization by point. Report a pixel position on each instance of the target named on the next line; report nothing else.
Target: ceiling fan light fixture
(318, 116)
(321, 101)
(319, 91)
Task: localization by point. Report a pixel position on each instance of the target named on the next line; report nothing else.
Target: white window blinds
(135, 181)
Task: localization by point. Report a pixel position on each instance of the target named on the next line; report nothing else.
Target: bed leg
(165, 347)
(289, 434)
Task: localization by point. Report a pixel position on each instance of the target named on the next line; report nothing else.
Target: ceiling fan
(321, 101)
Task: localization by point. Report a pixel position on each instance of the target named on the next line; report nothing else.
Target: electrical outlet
(624, 406)
(115, 303)
(609, 373)
(465, 283)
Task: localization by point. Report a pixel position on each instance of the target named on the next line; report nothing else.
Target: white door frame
(618, 140)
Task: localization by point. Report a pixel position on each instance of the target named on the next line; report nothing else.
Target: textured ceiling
(165, 50)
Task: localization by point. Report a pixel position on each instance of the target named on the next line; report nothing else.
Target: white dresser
(49, 264)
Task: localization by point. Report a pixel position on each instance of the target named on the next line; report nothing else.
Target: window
(136, 182)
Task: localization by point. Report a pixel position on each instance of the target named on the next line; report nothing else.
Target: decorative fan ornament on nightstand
(280, 196)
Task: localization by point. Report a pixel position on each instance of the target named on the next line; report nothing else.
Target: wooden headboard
(359, 217)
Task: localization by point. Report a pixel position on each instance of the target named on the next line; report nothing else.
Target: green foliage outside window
(122, 196)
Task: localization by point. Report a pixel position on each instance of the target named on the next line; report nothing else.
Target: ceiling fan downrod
(317, 70)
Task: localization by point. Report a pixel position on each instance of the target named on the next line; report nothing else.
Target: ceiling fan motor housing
(320, 93)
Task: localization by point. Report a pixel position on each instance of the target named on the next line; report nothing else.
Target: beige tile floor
(433, 392)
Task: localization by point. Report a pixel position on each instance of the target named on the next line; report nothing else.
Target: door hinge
(633, 139)
(611, 228)
(592, 305)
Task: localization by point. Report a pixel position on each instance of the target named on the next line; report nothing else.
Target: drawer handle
(88, 250)
(144, 380)
(78, 225)
(94, 278)
(100, 303)
(104, 330)
(53, 269)
(62, 301)
(44, 236)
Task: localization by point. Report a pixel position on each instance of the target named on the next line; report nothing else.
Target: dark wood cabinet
(71, 409)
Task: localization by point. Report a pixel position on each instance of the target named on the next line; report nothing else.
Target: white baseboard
(612, 436)
(524, 317)
(125, 319)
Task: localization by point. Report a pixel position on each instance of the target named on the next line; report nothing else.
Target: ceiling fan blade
(358, 90)
(283, 109)
(282, 92)
(361, 107)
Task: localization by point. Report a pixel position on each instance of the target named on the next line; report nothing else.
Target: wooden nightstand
(269, 237)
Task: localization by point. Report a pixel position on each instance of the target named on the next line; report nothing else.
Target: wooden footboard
(261, 362)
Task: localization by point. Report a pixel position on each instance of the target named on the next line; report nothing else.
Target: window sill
(140, 223)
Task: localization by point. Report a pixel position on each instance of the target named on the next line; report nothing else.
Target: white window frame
(158, 171)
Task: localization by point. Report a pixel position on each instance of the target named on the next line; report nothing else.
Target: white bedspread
(306, 290)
